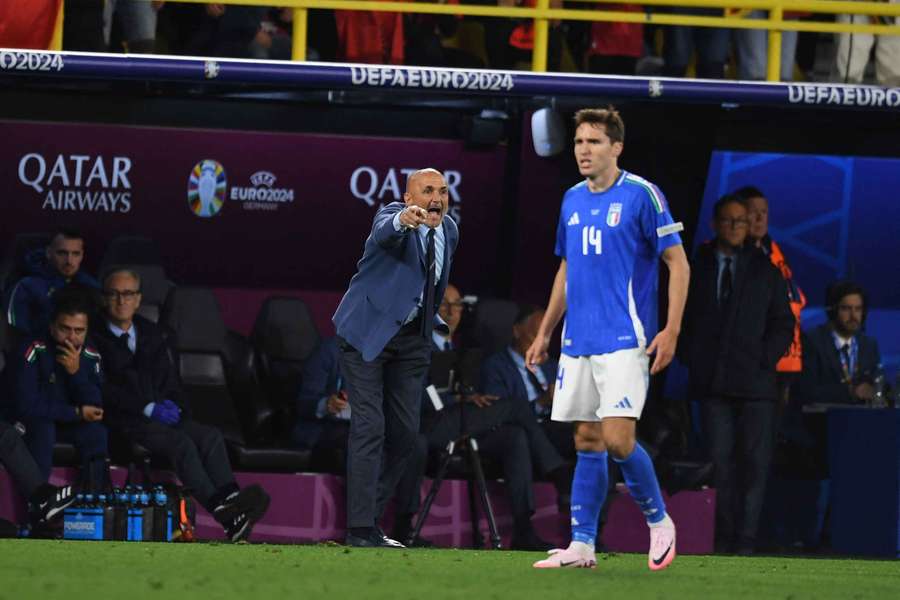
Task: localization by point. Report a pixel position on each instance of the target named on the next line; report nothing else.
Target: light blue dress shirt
(439, 242)
(519, 360)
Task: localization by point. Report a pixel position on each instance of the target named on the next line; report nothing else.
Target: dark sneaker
(529, 541)
(241, 511)
(49, 502)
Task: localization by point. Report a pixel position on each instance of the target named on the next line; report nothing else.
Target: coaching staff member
(384, 325)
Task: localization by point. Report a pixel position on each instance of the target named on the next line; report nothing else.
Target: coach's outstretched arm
(556, 307)
(666, 341)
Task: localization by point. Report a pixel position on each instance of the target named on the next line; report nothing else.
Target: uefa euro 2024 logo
(206, 188)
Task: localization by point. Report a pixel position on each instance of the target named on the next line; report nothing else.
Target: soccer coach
(384, 325)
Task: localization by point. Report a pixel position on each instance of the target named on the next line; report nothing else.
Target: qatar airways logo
(78, 182)
(377, 187)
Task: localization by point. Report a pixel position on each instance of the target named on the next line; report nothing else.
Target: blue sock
(588, 493)
(640, 478)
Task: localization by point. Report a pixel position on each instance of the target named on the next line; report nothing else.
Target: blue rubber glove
(166, 412)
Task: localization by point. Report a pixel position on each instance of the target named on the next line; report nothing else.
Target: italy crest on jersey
(614, 215)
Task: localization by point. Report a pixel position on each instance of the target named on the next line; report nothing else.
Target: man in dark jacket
(146, 405)
(48, 270)
(737, 325)
(840, 363)
(57, 392)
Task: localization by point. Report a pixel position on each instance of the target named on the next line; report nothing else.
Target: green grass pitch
(134, 571)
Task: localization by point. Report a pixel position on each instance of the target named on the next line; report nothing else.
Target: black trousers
(740, 434)
(331, 446)
(507, 432)
(197, 453)
(385, 398)
(18, 462)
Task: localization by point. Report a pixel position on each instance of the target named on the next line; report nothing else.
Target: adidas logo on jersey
(623, 403)
(574, 220)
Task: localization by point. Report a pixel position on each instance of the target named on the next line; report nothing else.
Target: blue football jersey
(611, 242)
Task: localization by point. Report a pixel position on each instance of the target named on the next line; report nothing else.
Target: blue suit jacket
(389, 279)
(500, 376)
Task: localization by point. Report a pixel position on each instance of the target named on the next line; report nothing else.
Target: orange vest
(792, 361)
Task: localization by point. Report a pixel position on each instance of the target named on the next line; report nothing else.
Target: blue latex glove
(166, 412)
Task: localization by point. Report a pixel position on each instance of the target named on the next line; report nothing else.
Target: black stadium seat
(217, 370)
(283, 337)
(12, 269)
(494, 319)
(130, 250)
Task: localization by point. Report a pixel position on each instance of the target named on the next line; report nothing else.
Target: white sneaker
(577, 556)
(662, 545)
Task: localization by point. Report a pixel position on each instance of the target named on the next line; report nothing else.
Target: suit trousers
(197, 453)
(740, 434)
(18, 462)
(385, 398)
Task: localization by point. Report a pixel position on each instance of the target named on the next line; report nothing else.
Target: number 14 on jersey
(591, 240)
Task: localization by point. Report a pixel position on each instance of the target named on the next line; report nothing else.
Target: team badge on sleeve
(614, 216)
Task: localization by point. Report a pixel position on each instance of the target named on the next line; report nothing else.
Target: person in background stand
(840, 362)
(737, 325)
(145, 405)
(57, 392)
(790, 365)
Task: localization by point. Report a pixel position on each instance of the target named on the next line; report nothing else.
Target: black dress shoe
(371, 538)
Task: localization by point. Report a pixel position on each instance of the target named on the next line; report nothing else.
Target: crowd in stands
(111, 366)
(615, 48)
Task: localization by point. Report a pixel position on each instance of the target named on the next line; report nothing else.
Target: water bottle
(878, 399)
(159, 496)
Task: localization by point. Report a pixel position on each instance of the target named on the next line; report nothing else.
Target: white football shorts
(592, 388)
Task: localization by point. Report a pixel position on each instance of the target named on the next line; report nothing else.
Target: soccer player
(613, 228)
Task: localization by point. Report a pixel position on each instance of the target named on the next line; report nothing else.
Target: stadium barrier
(542, 14)
(402, 79)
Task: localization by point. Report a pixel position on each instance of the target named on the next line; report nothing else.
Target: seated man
(45, 501)
(840, 362)
(146, 405)
(504, 374)
(51, 269)
(507, 431)
(57, 392)
(323, 424)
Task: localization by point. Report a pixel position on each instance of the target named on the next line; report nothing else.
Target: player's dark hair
(74, 299)
(724, 201)
(66, 232)
(608, 117)
(837, 291)
(748, 191)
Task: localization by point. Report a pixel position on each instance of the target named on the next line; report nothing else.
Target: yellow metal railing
(542, 14)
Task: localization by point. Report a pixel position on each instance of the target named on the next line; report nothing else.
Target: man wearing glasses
(146, 405)
(737, 325)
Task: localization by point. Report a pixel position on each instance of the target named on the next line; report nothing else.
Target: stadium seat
(492, 327)
(130, 250)
(12, 269)
(217, 370)
(284, 335)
